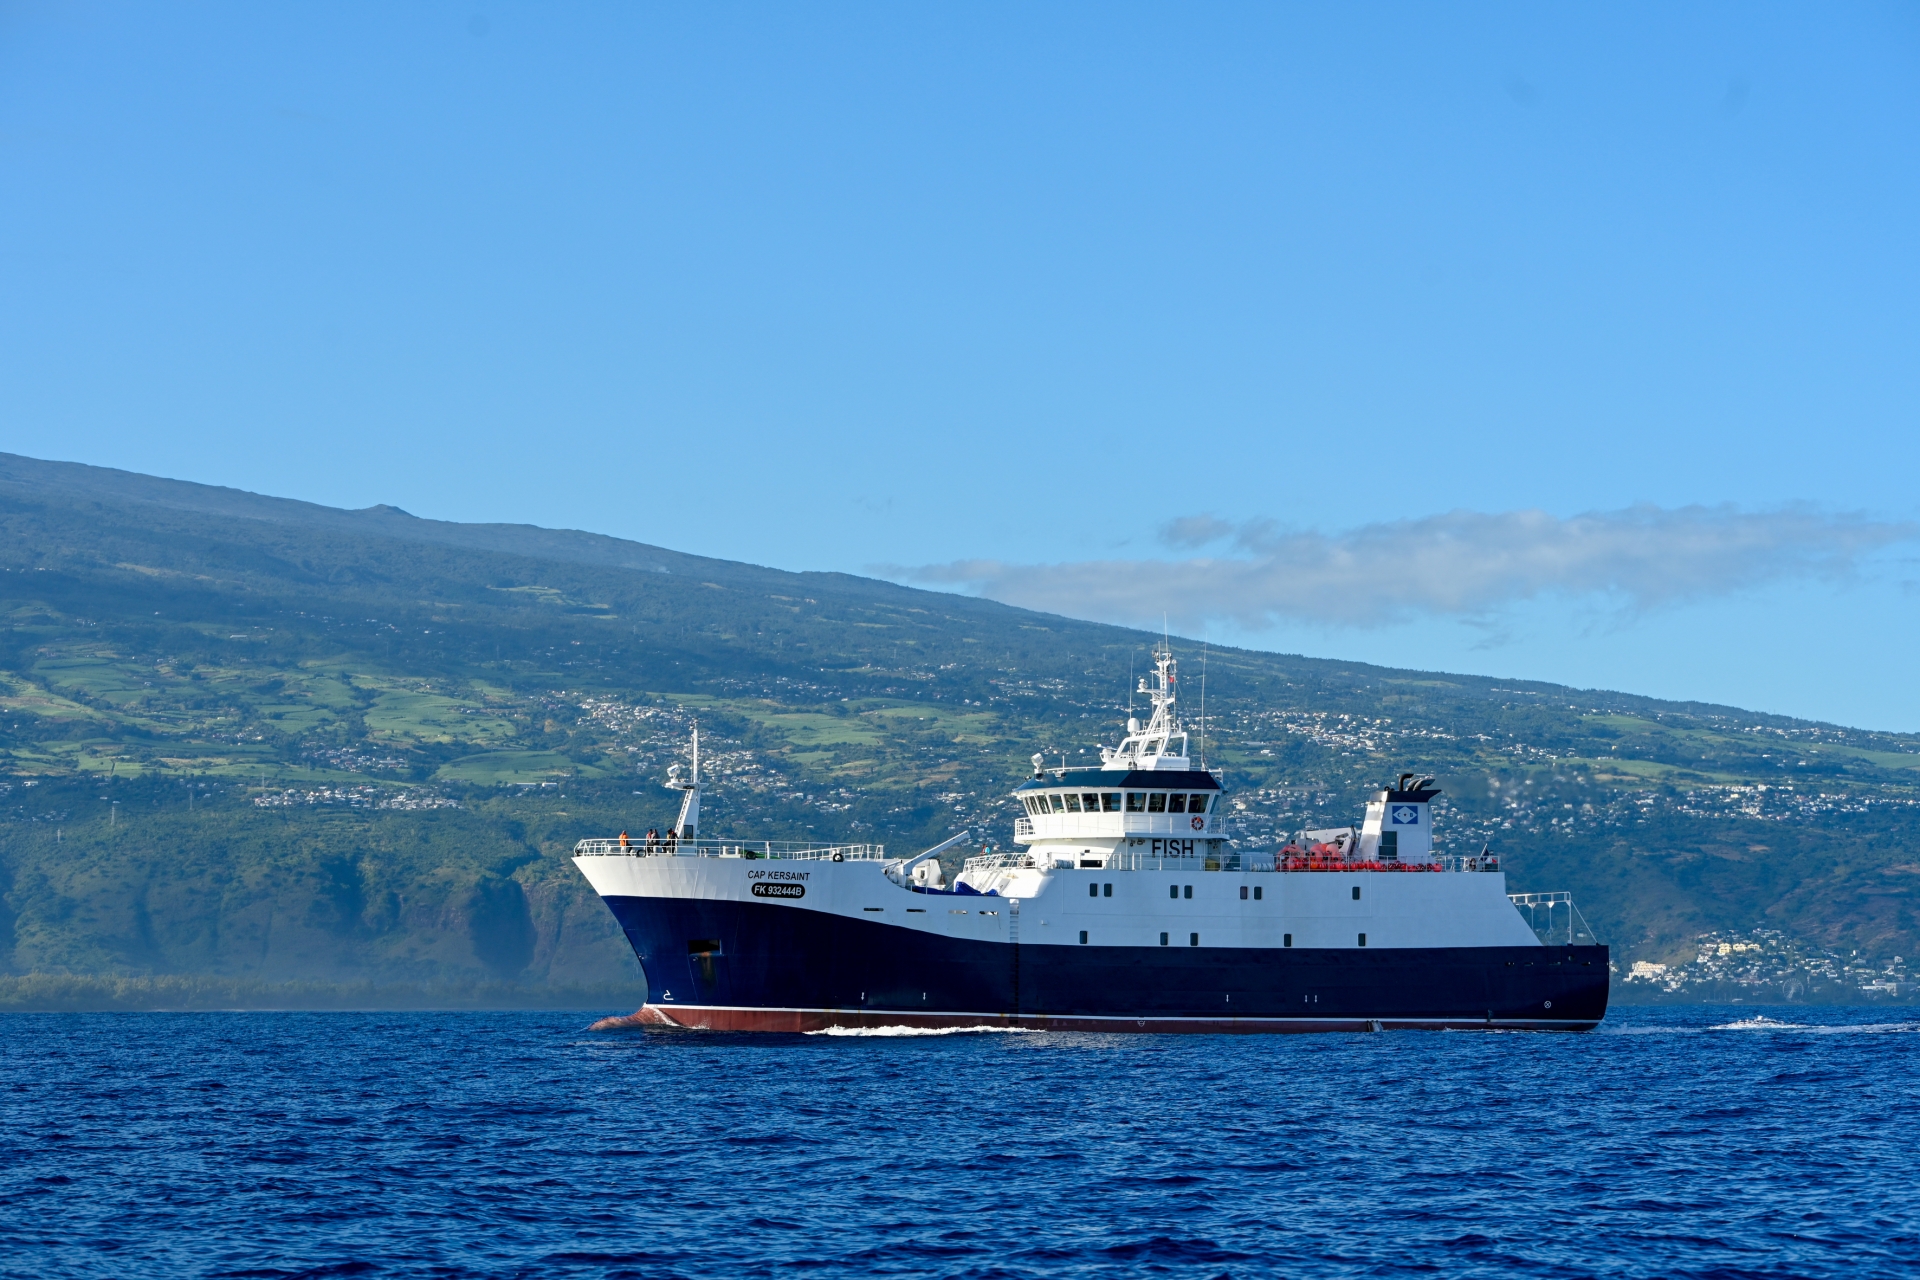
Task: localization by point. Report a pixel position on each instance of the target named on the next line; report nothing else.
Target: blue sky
(1574, 342)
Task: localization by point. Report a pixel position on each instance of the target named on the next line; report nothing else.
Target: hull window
(1243, 893)
(1356, 893)
(1257, 891)
(1083, 937)
(1286, 939)
(1173, 891)
(1193, 939)
(1093, 891)
(1163, 939)
(1189, 891)
(1363, 939)
(1107, 891)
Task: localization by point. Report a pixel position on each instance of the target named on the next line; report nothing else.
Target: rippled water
(1671, 1143)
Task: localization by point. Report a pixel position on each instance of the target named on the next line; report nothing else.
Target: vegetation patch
(496, 768)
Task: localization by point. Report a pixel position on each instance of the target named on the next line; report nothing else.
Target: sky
(1565, 342)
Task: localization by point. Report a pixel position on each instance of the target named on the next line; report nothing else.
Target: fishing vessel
(1125, 908)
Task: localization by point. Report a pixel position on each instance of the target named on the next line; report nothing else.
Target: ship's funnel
(1399, 823)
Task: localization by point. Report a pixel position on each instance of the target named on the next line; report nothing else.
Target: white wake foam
(1829, 1029)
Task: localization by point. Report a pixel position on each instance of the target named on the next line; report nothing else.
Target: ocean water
(1672, 1143)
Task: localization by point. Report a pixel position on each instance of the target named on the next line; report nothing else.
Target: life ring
(1199, 824)
(839, 857)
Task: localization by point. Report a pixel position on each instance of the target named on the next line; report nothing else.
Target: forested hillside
(248, 742)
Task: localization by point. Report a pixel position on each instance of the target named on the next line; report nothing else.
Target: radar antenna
(1153, 746)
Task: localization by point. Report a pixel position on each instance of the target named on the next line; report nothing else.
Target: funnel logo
(1405, 815)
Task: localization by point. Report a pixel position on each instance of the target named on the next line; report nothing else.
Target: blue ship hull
(728, 965)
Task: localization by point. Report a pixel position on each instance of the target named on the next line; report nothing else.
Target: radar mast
(1152, 746)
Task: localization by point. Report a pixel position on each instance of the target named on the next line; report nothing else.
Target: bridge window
(1110, 801)
(1136, 802)
(1389, 846)
(1196, 804)
(1073, 803)
(1059, 805)
(1156, 802)
(1176, 803)
(1091, 801)
(1036, 805)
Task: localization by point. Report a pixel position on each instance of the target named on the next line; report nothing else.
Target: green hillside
(248, 742)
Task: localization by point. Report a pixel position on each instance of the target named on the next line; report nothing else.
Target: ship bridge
(1145, 796)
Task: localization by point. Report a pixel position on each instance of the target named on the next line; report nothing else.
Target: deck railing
(749, 849)
(1098, 826)
(1004, 862)
(1227, 860)
(1554, 918)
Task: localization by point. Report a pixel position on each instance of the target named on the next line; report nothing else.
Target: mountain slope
(327, 686)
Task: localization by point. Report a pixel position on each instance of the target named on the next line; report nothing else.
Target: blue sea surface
(1674, 1142)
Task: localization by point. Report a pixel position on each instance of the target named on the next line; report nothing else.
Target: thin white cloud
(1462, 564)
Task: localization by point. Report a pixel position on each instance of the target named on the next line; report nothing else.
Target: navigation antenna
(1203, 702)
